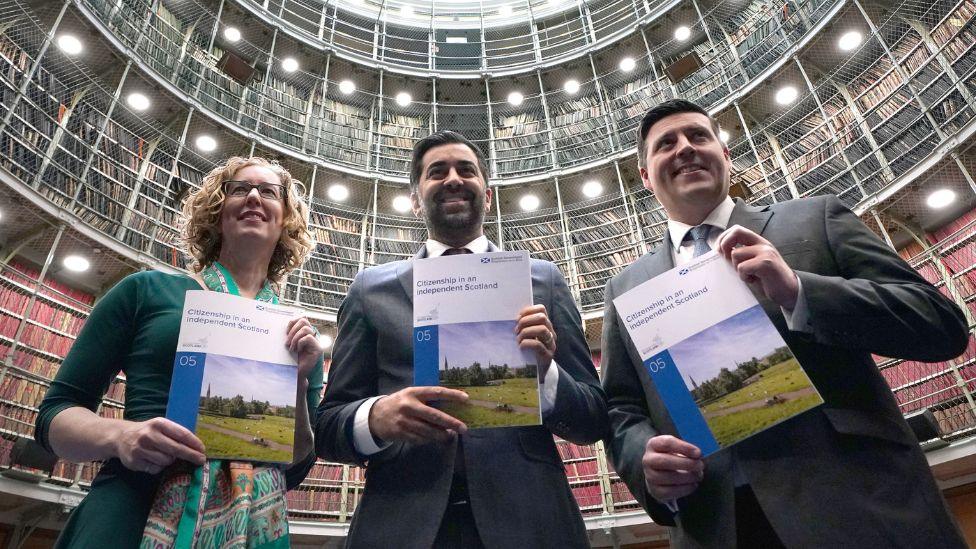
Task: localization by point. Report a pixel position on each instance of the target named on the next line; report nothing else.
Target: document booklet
(718, 363)
(234, 380)
(465, 308)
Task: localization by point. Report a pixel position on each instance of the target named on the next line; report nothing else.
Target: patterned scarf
(221, 504)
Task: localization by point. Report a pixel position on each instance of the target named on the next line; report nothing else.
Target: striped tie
(699, 234)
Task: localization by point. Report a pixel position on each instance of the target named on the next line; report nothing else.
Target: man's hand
(535, 332)
(150, 446)
(405, 416)
(672, 467)
(758, 262)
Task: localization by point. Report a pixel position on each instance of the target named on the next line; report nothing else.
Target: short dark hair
(663, 110)
(436, 139)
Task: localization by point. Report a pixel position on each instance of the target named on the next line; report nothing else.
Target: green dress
(133, 329)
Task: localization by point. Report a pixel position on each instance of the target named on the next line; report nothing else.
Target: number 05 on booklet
(716, 360)
(465, 308)
(234, 381)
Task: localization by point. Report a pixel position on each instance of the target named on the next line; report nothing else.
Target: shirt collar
(437, 249)
(719, 217)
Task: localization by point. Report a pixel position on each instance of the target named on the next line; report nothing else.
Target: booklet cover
(718, 363)
(234, 381)
(465, 309)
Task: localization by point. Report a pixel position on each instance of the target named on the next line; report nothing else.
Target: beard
(442, 222)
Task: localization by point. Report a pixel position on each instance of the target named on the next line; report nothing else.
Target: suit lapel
(405, 272)
(750, 217)
(660, 260)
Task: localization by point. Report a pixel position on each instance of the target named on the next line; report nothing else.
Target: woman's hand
(151, 446)
(303, 342)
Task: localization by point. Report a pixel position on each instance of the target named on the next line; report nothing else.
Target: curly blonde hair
(200, 232)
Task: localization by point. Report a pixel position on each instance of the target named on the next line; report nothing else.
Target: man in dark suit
(429, 481)
(845, 474)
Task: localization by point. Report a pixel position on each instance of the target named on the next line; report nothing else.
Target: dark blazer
(518, 490)
(847, 474)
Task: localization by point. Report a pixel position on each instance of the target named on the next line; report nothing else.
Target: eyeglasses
(267, 191)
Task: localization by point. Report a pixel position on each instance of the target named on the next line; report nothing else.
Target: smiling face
(251, 217)
(451, 196)
(686, 167)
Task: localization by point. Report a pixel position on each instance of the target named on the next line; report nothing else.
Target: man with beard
(430, 481)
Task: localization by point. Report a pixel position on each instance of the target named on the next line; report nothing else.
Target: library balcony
(99, 147)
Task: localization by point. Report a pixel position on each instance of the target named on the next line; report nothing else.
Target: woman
(245, 229)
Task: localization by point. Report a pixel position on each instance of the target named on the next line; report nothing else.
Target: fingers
(427, 393)
(298, 329)
(668, 444)
(736, 236)
(177, 441)
(535, 332)
(533, 315)
(672, 467)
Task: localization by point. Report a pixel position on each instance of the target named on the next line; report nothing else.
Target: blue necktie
(699, 234)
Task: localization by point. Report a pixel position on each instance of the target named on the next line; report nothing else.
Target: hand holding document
(465, 309)
(234, 379)
(718, 363)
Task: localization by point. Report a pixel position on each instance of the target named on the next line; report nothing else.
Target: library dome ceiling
(456, 14)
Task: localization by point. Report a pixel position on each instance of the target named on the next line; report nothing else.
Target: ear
(416, 204)
(646, 179)
(488, 196)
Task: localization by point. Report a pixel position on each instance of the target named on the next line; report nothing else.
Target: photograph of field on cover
(483, 360)
(247, 409)
(743, 376)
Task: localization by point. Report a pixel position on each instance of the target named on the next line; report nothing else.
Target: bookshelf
(602, 246)
(340, 239)
(393, 238)
(397, 135)
(39, 321)
(520, 141)
(579, 130)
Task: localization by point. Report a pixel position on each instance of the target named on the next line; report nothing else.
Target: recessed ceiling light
(515, 98)
(338, 192)
(724, 136)
(529, 202)
(682, 33)
(941, 198)
(786, 95)
(290, 64)
(402, 204)
(627, 64)
(76, 263)
(325, 340)
(849, 40)
(592, 189)
(232, 34)
(403, 99)
(69, 44)
(347, 86)
(571, 86)
(137, 101)
(206, 143)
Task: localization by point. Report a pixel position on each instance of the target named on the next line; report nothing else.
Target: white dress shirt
(362, 437)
